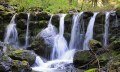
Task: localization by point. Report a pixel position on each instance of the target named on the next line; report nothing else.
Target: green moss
(94, 44)
(4, 58)
(2, 8)
(92, 70)
(25, 63)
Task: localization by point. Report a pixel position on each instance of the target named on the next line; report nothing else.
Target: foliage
(92, 70)
(23, 5)
(57, 6)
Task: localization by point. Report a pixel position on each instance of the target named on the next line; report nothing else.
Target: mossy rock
(22, 15)
(114, 64)
(41, 48)
(42, 16)
(55, 20)
(18, 66)
(95, 45)
(5, 63)
(23, 55)
(115, 45)
(2, 8)
(68, 23)
(87, 14)
(81, 58)
(21, 23)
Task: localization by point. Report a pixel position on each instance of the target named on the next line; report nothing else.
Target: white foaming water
(11, 35)
(75, 34)
(62, 57)
(60, 44)
(89, 33)
(48, 33)
(27, 32)
(105, 38)
(54, 65)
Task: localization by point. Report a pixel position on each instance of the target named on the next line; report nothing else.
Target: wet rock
(115, 46)
(21, 23)
(68, 23)
(36, 26)
(33, 17)
(118, 12)
(5, 63)
(87, 14)
(82, 59)
(86, 18)
(21, 15)
(20, 66)
(42, 16)
(98, 29)
(55, 21)
(7, 16)
(95, 45)
(23, 55)
(41, 48)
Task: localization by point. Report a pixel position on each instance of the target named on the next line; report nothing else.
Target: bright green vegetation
(57, 6)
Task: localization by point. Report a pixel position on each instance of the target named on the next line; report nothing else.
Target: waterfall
(61, 56)
(48, 33)
(60, 44)
(89, 33)
(77, 32)
(55, 65)
(11, 35)
(105, 37)
(27, 32)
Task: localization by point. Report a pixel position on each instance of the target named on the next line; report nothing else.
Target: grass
(58, 6)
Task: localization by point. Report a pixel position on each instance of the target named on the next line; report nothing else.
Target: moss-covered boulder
(115, 45)
(41, 48)
(82, 59)
(114, 64)
(5, 63)
(95, 45)
(18, 66)
(23, 55)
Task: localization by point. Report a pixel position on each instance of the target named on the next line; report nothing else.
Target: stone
(5, 63)
(18, 66)
(114, 64)
(95, 45)
(42, 16)
(22, 55)
(81, 58)
(55, 20)
(41, 48)
(115, 45)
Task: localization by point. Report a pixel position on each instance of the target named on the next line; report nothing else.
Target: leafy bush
(56, 6)
(24, 5)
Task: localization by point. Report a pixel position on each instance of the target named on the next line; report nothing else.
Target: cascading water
(27, 32)
(55, 65)
(60, 44)
(11, 36)
(64, 56)
(48, 33)
(89, 33)
(77, 32)
(105, 37)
